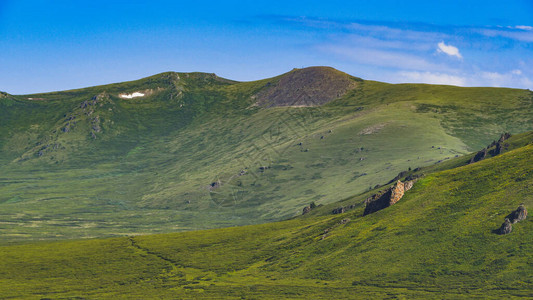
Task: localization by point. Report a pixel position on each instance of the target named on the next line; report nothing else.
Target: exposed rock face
(408, 185)
(397, 192)
(506, 227)
(306, 210)
(501, 145)
(479, 156)
(504, 137)
(518, 215)
(387, 198)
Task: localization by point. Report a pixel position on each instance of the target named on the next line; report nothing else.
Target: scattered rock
(338, 210)
(215, 185)
(344, 221)
(506, 227)
(413, 177)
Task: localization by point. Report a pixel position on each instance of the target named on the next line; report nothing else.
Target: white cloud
(524, 27)
(449, 49)
(382, 58)
(432, 78)
(519, 35)
(514, 78)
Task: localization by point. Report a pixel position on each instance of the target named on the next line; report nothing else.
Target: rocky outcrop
(496, 147)
(518, 215)
(387, 198)
(479, 156)
(506, 227)
(500, 145)
(338, 210)
(408, 185)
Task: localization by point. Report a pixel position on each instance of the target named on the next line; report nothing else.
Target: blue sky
(58, 45)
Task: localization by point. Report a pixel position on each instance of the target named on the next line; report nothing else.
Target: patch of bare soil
(313, 86)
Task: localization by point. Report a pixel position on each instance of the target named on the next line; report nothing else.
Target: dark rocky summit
(311, 86)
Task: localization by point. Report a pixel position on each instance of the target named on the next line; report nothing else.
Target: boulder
(408, 185)
(518, 215)
(506, 227)
(306, 210)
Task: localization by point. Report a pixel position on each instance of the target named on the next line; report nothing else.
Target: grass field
(436, 242)
(150, 164)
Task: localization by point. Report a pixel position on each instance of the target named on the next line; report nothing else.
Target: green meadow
(437, 242)
(87, 163)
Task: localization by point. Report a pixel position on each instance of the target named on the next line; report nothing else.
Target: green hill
(438, 241)
(198, 151)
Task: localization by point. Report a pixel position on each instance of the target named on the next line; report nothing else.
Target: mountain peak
(312, 86)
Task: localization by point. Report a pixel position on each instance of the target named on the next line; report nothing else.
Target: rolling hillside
(438, 241)
(197, 151)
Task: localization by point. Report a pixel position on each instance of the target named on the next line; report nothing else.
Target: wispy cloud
(382, 58)
(503, 79)
(415, 52)
(432, 78)
(521, 33)
(524, 27)
(449, 49)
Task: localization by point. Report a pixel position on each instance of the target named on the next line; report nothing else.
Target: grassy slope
(149, 168)
(437, 242)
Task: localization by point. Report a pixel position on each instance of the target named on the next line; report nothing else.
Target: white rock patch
(133, 95)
